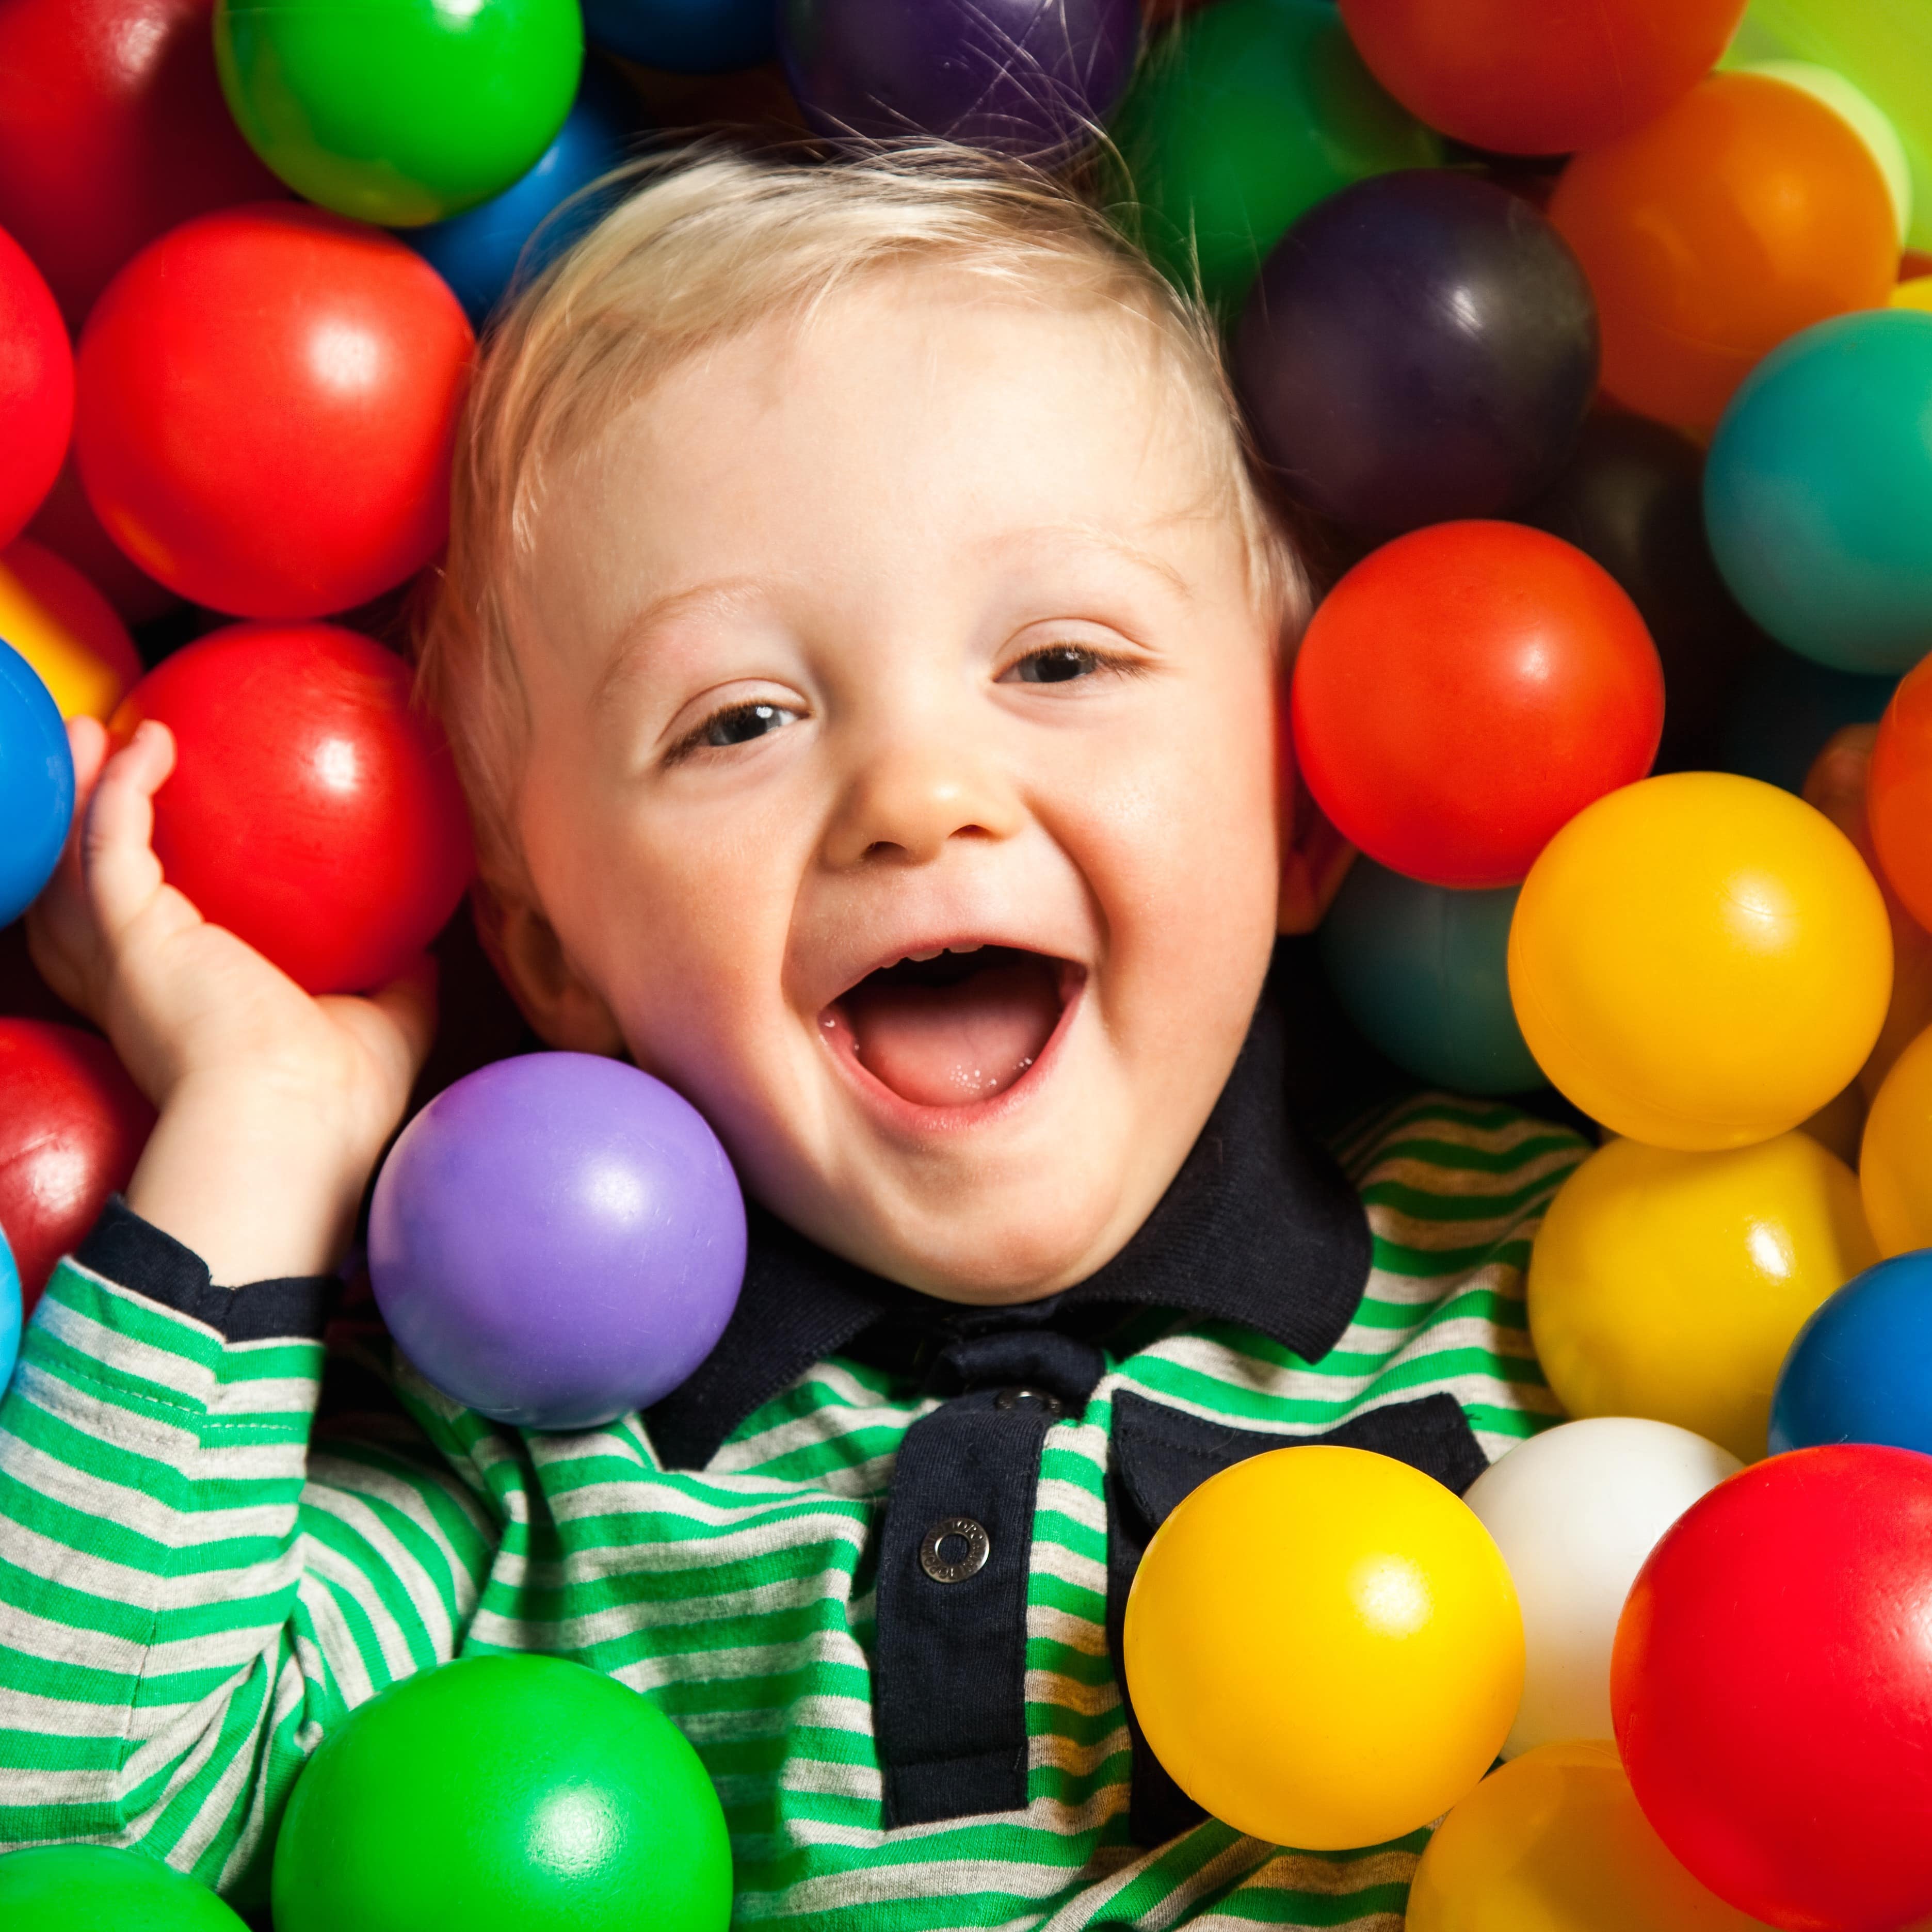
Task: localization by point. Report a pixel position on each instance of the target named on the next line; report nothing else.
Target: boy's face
(917, 631)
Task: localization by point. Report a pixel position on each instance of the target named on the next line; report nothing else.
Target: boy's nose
(909, 800)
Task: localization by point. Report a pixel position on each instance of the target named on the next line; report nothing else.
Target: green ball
(504, 1794)
(1241, 119)
(96, 1888)
(401, 112)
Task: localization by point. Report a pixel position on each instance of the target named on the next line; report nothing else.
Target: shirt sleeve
(189, 1596)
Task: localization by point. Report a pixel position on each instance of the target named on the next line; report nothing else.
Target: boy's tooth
(918, 958)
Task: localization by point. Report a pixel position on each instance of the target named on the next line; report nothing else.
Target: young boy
(862, 639)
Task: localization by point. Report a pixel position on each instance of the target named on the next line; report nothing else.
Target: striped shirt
(192, 1590)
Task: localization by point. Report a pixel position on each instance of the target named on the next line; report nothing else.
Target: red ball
(72, 1125)
(311, 811)
(267, 398)
(112, 130)
(1772, 1689)
(1540, 76)
(1465, 691)
(36, 389)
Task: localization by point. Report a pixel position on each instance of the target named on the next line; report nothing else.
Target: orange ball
(1899, 800)
(1747, 211)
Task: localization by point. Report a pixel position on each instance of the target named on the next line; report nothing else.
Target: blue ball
(1423, 971)
(1818, 492)
(36, 785)
(9, 1312)
(686, 36)
(1786, 707)
(1860, 1369)
(482, 251)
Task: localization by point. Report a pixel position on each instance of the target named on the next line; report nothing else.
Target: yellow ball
(1700, 961)
(1917, 293)
(1555, 1842)
(1895, 1160)
(66, 630)
(1324, 1648)
(1672, 1286)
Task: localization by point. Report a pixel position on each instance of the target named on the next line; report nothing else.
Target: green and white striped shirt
(192, 1591)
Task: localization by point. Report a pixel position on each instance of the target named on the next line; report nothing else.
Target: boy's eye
(738, 725)
(1056, 664)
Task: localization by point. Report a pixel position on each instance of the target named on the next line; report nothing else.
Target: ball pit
(1358, 1560)
(36, 389)
(71, 634)
(574, 1803)
(1856, 1373)
(36, 784)
(96, 1888)
(267, 400)
(1895, 1158)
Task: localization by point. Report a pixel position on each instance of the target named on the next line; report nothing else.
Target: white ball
(1575, 1511)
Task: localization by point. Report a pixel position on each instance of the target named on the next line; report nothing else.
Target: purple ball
(557, 1240)
(1033, 77)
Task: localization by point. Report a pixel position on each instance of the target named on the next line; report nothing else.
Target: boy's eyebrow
(1095, 537)
(721, 593)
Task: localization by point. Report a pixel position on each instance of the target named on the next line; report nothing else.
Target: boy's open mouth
(956, 1028)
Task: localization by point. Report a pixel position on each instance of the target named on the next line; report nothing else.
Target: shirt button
(956, 1547)
(1012, 1398)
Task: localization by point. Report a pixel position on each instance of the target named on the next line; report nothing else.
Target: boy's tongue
(950, 1045)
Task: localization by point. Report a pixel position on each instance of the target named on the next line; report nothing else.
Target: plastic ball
(36, 389)
(686, 36)
(115, 133)
(1861, 114)
(1523, 77)
(72, 1127)
(504, 1794)
(1421, 346)
(1783, 710)
(402, 111)
(1744, 213)
(1556, 1842)
(1011, 75)
(1358, 1561)
(1422, 970)
(36, 785)
(98, 1889)
(1700, 961)
(1856, 1373)
(66, 524)
(1916, 294)
(512, 238)
(66, 630)
(1899, 797)
(1671, 1286)
(557, 1240)
(1772, 1687)
(1895, 1158)
(312, 811)
(1239, 122)
(267, 401)
(1819, 492)
(1575, 1511)
(10, 1311)
(1440, 650)
(1631, 498)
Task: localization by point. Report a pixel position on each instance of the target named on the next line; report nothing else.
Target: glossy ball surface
(1746, 212)
(686, 36)
(98, 1889)
(1527, 77)
(36, 389)
(36, 785)
(504, 1794)
(1700, 961)
(1010, 75)
(312, 811)
(1575, 1511)
(267, 400)
(1421, 346)
(1240, 121)
(1556, 1842)
(1439, 649)
(1422, 970)
(1818, 491)
(1772, 1688)
(66, 630)
(72, 1125)
(1358, 1560)
(1895, 1157)
(557, 1239)
(1671, 1286)
(399, 111)
(1857, 1371)
(1898, 799)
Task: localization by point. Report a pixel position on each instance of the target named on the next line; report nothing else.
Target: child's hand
(274, 1105)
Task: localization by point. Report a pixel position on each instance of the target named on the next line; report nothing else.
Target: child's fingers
(119, 867)
(407, 1006)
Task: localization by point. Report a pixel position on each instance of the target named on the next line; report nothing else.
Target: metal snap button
(1012, 1398)
(956, 1547)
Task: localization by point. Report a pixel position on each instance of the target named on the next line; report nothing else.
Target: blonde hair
(707, 245)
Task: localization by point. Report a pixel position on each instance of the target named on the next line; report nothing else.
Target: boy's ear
(565, 1010)
(1314, 860)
